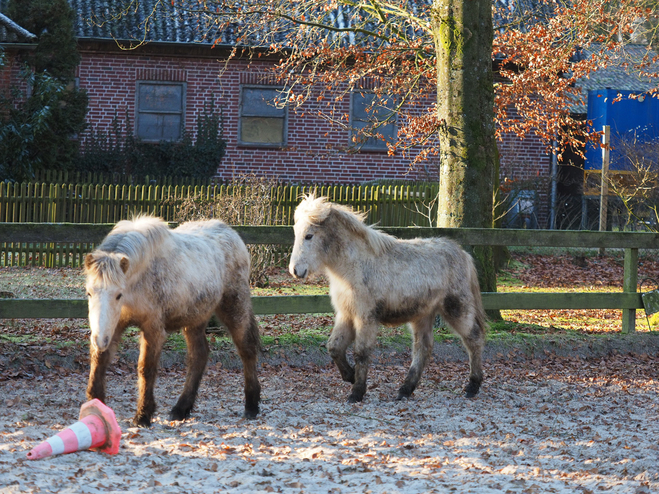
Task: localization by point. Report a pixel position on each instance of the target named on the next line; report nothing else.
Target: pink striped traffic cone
(97, 429)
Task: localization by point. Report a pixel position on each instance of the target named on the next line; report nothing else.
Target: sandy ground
(552, 425)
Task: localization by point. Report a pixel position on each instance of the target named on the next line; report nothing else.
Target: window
(365, 112)
(262, 122)
(160, 111)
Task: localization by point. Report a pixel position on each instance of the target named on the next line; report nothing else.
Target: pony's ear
(123, 264)
(349, 220)
(89, 261)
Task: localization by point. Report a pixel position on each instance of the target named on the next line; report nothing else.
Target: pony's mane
(135, 239)
(317, 209)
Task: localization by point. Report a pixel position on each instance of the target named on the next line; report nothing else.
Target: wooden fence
(65, 177)
(387, 205)
(629, 300)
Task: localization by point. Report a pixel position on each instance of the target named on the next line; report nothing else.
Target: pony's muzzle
(101, 343)
(299, 272)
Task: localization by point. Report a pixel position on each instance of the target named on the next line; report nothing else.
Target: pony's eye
(89, 294)
(118, 296)
(309, 236)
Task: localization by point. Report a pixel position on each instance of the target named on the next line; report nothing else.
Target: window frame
(371, 144)
(241, 114)
(139, 111)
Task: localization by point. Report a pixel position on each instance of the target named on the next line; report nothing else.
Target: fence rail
(629, 300)
(65, 177)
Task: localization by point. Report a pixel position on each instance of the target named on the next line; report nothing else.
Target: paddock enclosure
(541, 423)
(629, 300)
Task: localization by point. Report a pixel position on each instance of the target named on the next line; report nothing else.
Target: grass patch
(506, 279)
(291, 339)
(25, 339)
(29, 339)
(505, 328)
(290, 290)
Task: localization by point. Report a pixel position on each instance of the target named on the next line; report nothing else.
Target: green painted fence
(629, 300)
(65, 177)
(386, 205)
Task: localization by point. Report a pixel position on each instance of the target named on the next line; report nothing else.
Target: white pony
(144, 274)
(378, 279)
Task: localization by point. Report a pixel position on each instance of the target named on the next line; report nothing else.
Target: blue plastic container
(629, 118)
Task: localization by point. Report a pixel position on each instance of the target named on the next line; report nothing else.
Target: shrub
(247, 201)
(119, 151)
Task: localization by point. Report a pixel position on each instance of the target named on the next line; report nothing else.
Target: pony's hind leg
(198, 349)
(474, 343)
(471, 329)
(152, 339)
(422, 344)
(343, 334)
(236, 312)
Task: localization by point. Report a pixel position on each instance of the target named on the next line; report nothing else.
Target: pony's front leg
(198, 349)
(99, 363)
(422, 343)
(342, 336)
(365, 339)
(151, 342)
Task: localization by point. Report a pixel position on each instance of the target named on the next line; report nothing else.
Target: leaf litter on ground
(551, 424)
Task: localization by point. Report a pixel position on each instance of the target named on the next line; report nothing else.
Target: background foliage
(47, 111)
(119, 151)
(250, 203)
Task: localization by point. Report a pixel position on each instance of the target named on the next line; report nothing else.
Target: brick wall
(315, 150)
(525, 165)
(5, 76)
(10, 74)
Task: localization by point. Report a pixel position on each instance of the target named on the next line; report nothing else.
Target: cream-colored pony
(144, 274)
(378, 279)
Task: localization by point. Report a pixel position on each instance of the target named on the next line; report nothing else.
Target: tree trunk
(462, 30)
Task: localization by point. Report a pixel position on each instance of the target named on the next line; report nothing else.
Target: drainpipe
(554, 178)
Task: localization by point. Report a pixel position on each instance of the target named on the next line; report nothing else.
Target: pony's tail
(481, 316)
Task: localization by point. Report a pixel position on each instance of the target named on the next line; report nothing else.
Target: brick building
(14, 41)
(308, 149)
(163, 85)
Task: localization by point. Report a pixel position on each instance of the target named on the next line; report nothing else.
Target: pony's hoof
(471, 390)
(177, 414)
(404, 392)
(355, 398)
(143, 422)
(250, 414)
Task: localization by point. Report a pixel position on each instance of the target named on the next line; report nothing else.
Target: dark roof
(10, 32)
(99, 19)
(125, 20)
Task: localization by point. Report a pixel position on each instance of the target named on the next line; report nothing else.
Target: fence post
(629, 284)
(604, 191)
